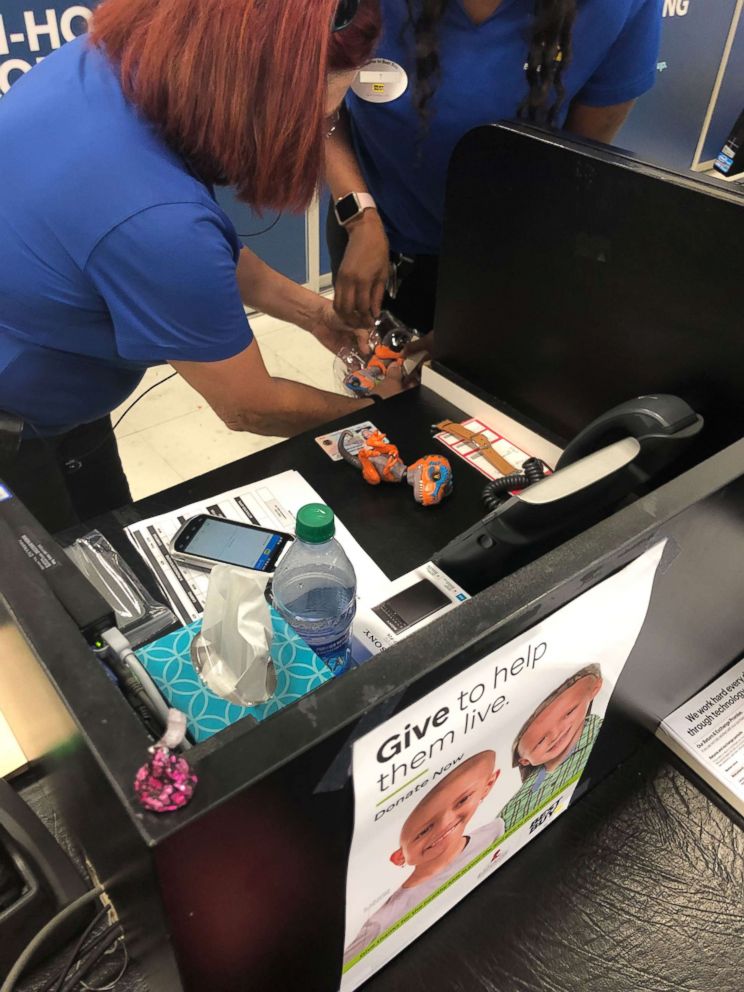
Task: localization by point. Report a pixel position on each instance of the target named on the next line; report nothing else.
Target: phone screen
(233, 544)
(413, 604)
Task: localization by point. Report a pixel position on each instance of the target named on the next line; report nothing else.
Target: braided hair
(549, 54)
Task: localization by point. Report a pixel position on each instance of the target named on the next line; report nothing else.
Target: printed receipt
(271, 503)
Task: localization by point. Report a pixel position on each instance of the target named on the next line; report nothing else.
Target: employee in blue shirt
(448, 66)
(114, 255)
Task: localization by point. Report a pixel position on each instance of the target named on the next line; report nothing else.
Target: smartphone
(410, 606)
(205, 541)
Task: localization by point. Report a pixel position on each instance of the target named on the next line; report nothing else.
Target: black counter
(387, 522)
(592, 879)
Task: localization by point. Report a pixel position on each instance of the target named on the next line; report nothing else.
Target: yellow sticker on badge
(380, 81)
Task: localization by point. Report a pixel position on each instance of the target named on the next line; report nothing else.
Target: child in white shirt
(434, 843)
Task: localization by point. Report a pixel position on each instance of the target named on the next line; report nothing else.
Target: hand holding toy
(388, 341)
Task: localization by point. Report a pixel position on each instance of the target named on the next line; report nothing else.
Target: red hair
(237, 87)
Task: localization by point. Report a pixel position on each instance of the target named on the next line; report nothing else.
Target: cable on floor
(33, 946)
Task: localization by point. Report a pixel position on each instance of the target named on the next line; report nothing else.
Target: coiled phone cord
(496, 491)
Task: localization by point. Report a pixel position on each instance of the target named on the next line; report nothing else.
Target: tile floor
(172, 435)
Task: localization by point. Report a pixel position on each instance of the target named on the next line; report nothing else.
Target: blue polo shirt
(113, 256)
(615, 47)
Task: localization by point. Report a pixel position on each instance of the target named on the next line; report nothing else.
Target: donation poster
(454, 785)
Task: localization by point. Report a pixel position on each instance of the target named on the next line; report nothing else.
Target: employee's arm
(597, 123)
(268, 291)
(363, 274)
(243, 394)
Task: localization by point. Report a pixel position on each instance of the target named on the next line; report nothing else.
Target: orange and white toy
(379, 461)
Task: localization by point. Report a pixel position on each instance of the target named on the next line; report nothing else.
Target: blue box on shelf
(168, 661)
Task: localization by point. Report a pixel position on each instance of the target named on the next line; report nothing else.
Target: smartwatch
(351, 206)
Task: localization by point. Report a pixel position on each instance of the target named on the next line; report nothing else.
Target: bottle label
(335, 653)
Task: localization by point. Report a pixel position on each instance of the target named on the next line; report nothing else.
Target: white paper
(710, 727)
(271, 503)
(410, 771)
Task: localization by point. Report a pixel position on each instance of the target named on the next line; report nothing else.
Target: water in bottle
(314, 587)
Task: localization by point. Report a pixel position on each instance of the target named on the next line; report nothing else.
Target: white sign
(708, 733)
(455, 784)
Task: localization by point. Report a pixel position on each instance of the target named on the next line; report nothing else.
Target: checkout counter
(577, 279)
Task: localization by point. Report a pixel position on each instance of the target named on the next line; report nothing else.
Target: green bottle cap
(315, 523)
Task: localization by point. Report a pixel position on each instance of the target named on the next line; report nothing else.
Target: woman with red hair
(114, 255)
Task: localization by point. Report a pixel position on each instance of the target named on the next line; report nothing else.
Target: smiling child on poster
(433, 842)
(554, 744)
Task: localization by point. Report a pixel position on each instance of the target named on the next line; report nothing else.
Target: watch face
(347, 208)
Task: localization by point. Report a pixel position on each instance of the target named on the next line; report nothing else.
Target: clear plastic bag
(391, 332)
(138, 615)
(354, 372)
(347, 361)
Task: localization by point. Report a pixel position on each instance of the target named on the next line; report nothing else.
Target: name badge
(380, 81)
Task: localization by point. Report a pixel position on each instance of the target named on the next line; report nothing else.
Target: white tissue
(232, 652)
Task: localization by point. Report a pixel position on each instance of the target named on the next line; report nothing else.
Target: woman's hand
(334, 332)
(425, 343)
(364, 271)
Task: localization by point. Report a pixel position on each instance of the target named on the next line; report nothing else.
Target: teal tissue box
(168, 661)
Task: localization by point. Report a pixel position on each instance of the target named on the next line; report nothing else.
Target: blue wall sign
(664, 127)
(29, 32)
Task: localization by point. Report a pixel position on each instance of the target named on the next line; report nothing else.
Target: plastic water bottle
(314, 587)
